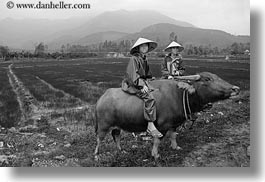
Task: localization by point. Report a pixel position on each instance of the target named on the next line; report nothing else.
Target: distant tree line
(234, 49)
(41, 51)
(106, 46)
(124, 46)
(4, 52)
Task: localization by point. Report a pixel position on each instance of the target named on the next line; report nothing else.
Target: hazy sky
(232, 16)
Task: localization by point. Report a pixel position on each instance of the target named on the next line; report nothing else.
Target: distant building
(115, 55)
(247, 52)
(152, 54)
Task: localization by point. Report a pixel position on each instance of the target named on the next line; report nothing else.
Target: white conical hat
(174, 44)
(151, 45)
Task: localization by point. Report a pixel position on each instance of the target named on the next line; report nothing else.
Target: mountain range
(111, 25)
(187, 35)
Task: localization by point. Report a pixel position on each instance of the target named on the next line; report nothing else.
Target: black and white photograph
(125, 83)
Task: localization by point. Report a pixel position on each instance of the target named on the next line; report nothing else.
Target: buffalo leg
(100, 137)
(116, 137)
(172, 137)
(155, 147)
(97, 147)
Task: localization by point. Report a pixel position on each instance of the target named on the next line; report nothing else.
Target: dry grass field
(46, 117)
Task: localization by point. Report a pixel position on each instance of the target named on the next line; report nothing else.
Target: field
(46, 117)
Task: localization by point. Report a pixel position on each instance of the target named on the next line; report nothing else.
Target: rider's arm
(164, 70)
(149, 74)
(133, 73)
(181, 68)
(141, 82)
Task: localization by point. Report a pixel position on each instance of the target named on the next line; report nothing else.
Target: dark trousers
(149, 105)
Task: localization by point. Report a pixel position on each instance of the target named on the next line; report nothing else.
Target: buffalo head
(212, 88)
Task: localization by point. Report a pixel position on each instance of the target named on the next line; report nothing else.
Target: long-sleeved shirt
(137, 72)
(170, 66)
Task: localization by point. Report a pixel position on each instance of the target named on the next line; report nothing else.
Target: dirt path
(27, 103)
(30, 107)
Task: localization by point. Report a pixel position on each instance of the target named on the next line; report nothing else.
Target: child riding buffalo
(136, 81)
(172, 64)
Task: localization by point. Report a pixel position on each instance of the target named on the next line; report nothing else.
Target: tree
(176, 38)
(4, 52)
(127, 45)
(206, 50)
(247, 46)
(121, 46)
(189, 49)
(171, 36)
(200, 50)
(105, 45)
(235, 48)
(195, 50)
(63, 49)
(68, 47)
(45, 48)
(100, 46)
(215, 50)
(39, 49)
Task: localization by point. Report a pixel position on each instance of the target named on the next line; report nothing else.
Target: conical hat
(174, 44)
(151, 45)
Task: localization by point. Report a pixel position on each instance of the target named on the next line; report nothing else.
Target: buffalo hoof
(178, 148)
(124, 152)
(175, 147)
(96, 158)
(155, 155)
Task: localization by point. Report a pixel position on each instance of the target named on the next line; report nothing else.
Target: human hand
(144, 89)
(177, 73)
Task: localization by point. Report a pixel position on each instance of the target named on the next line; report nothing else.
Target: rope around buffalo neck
(184, 98)
(185, 107)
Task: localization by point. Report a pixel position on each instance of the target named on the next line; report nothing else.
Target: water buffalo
(116, 110)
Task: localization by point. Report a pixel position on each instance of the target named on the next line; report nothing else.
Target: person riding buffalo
(136, 81)
(172, 64)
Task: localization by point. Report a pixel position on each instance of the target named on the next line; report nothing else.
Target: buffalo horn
(190, 77)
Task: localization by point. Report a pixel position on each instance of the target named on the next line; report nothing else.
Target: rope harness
(187, 111)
